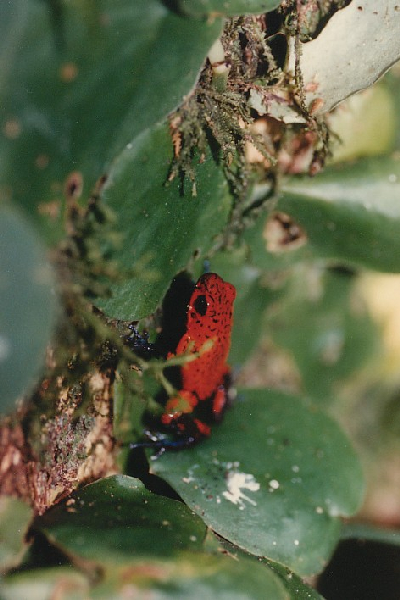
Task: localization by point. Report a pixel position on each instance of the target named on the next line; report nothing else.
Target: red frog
(208, 334)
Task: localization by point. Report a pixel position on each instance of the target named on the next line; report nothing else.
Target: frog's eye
(200, 305)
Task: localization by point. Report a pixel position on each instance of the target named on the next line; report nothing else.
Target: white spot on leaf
(238, 482)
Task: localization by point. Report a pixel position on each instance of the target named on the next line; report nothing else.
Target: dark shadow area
(172, 5)
(174, 309)
(138, 466)
(361, 570)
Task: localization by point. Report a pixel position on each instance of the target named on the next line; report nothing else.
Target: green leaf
(227, 8)
(325, 328)
(27, 306)
(273, 479)
(351, 214)
(14, 519)
(115, 519)
(79, 81)
(160, 225)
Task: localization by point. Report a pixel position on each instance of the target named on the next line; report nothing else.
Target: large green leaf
(227, 8)
(160, 225)
(273, 479)
(27, 306)
(350, 214)
(79, 81)
(114, 519)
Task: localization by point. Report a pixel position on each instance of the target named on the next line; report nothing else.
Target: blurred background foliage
(86, 90)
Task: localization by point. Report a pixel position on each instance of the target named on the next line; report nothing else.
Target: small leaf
(273, 479)
(351, 215)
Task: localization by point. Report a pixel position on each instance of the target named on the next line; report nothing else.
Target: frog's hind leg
(219, 403)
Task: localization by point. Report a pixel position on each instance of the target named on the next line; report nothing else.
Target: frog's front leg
(183, 402)
(178, 415)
